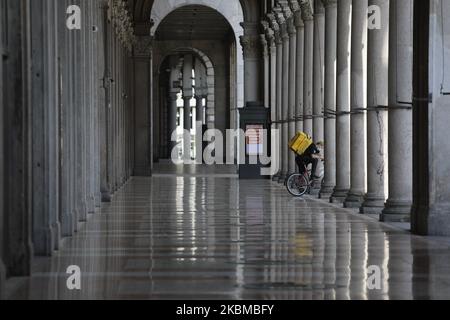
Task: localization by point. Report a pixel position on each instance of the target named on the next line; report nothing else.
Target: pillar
(266, 63)
(251, 43)
(299, 67)
(308, 20)
(104, 104)
(329, 180)
(430, 214)
(44, 144)
(377, 117)
(292, 94)
(344, 25)
(283, 100)
(398, 205)
(318, 67)
(143, 80)
(172, 101)
(18, 248)
(278, 92)
(187, 96)
(318, 82)
(2, 153)
(358, 104)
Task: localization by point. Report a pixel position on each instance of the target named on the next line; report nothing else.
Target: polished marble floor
(221, 238)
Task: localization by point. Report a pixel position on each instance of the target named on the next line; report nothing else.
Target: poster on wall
(254, 139)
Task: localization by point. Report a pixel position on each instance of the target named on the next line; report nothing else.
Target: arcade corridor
(222, 238)
(112, 118)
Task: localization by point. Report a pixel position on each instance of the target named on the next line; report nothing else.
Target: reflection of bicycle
(299, 184)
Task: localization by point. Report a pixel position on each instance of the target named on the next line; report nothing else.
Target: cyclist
(310, 156)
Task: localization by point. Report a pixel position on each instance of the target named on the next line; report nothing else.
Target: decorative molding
(122, 23)
(329, 3)
(143, 46)
(307, 13)
(251, 46)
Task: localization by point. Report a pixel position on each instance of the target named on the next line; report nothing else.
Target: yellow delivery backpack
(300, 143)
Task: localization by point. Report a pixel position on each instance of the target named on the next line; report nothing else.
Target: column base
(83, 210)
(275, 177)
(2, 280)
(57, 232)
(354, 200)
(106, 196)
(326, 192)
(91, 204)
(372, 205)
(339, 195)
(98, 200)
(67, 226)
(282, 178)
(315, 188)
(396, 211)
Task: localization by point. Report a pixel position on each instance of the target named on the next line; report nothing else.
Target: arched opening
(197, 65)
(170, 110)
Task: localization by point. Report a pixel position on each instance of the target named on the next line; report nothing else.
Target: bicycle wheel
(297, 185)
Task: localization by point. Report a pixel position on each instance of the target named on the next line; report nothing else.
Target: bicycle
(299, 184)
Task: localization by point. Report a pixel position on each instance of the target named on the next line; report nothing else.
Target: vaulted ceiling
(194, 23)
(142, 9)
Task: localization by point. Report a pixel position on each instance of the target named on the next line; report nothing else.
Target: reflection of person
(311, 156)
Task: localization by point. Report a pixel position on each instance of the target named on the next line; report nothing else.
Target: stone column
(318, 82)
(358, 104)
(172, 101)
(266, 62)
(319, 67)
(299, 70)
(143, 79)
(16, 103)
(431, 209)
(104, 106)
(187, 96)
(292, 94)
(344, 25)
(398, 205)
(329, 181)
(44, 130)
(3, 54)
(308, 20)
(251, 46)
(283, 91)
(377, 117)
(278, 42)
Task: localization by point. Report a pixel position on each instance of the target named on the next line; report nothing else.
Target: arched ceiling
(142, 9)
(194, 23)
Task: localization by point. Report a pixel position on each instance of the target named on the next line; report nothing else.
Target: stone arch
(210, 74)
(232, 11)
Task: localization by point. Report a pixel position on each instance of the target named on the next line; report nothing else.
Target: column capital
(281, 20)
(143, 46)
(250, 46)
(329, 3)
(291, 28)
(294, 5)
(319, 8)
(275, 27)
(306, 8)
(298, 20)
(264, 45)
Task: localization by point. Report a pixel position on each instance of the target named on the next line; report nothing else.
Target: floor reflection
(221, 238)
